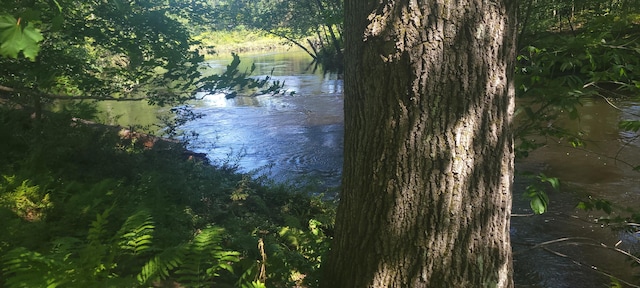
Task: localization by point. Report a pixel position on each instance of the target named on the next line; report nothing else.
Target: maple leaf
(15, 38)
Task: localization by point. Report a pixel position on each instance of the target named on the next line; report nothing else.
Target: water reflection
(301, 136)
(298, 135)
(600, 169)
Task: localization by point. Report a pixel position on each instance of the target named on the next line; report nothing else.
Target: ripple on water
(302, 135)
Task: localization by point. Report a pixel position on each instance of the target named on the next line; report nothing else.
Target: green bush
(81, 209)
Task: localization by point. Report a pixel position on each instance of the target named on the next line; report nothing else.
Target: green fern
(97, 229)
(24, 198)
(161, 265)
(136, 234)
(76, 263)
(96, 257)
(194, 264)
(205, 258)
(24, 268)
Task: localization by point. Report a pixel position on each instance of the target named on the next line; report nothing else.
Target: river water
(286, 136)
(300, 136)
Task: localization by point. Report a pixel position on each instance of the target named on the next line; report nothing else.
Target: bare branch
(595, 268)
(576, 241)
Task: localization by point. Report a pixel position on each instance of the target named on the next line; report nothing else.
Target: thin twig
(572, 241)
(523, 215)
(593, 267)
(626, 143)
(601, 154)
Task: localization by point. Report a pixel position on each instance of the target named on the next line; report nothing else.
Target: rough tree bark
(428, 166)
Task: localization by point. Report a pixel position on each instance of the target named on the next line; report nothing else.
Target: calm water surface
(300, 136)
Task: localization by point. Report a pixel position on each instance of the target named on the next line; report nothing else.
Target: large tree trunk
(428, 166)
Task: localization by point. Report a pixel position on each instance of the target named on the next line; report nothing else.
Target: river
(295, 137)
(300, 137)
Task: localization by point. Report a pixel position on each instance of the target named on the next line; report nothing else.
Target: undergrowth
(81, 208)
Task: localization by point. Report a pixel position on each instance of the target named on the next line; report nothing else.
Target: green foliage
(535, 192)
(121, 216)
(195, 264)
(107, 50)
(96, 48)
(205, 259)
(615, 283)
(314, 26)
(25, 200)
(240, 40)
(73, 262)
(25, 268)
(253, 284)
(95, 262)
(630, 125)
(305, 249)
(160, 266)
(617, 217)
(558, 68)
(570, 52)
(595, 204)
(232, 80)
(624, 219)
(15, 37)
(136, 236)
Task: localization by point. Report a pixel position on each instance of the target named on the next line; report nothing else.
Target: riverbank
(119, 211)
(241, 41)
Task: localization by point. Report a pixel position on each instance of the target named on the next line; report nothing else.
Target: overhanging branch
(314, 56)
(67, 97)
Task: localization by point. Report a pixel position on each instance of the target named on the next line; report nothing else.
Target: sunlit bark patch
(428, 154)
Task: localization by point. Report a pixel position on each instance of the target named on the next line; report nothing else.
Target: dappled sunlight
(442, 174)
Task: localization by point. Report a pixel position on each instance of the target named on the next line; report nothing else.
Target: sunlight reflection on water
(301, 135)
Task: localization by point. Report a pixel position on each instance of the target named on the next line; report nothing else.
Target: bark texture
(428, 166)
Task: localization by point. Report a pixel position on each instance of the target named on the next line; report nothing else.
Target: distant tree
(313, 25)
(100, 50)
(107, 50)
(429, 100)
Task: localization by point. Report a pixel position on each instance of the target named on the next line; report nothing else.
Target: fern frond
(205, 257)
(98, 228)
(162, 264)
(136, 234)
(24, 268)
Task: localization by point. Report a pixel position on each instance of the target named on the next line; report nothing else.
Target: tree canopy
(101, 48)
(108, 50)
(312, 25)
(55, 181)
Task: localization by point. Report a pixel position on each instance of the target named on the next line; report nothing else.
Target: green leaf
(597, 204)
(14, 38)
(7, 21)
(538, 205)
(629, 125)
(555, 183)
(583, 206)
(538, 197)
